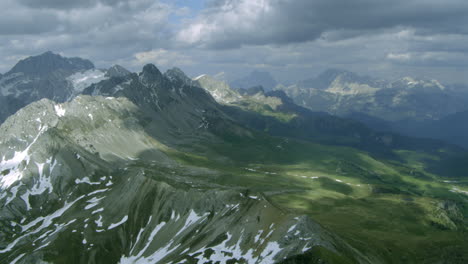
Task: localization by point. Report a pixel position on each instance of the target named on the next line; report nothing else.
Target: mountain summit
(324, 80)
(37, 77)
(117, 71)
(50, 76)
(178, 76)
(48, 63)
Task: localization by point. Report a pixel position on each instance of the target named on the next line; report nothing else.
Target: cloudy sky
(292, 39)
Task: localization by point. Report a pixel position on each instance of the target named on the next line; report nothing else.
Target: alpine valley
(110, 166)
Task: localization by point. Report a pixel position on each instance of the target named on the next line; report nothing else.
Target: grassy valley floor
(393, 211)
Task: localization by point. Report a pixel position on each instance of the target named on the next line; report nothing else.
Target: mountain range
(343, 93)
(406, 106)
(110, 166)
(50, 76)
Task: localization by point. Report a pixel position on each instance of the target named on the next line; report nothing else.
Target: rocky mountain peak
(117, 71)
(177, 75)
(220, 90)
(150, 73)
(337, 79)
(410, 82)
(49, 62)
(326, 78)
(151, 69)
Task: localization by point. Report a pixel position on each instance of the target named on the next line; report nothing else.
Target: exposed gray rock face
(37, 77)
(183, 110)
(117, 71)
(178, 76)
(85, 182)
(48, 63)
(220, 90)
(49, 76)
(326, 79)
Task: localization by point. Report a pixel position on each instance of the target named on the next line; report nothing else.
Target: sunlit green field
(392, 211)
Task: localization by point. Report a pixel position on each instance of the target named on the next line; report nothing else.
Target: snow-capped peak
(199, 77)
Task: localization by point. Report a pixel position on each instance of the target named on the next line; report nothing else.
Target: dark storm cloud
(288, 37)
(68, 4)
(228, 23)
(106, 31)
(18, 20)
(440, 43)
(28, 23)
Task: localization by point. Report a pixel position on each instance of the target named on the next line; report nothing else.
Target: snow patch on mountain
(223, 251)
(82, 80)
(41, 184)
(9, 83)
(199, 77)
(59, 110)
(121, 222)
(192, 218)
(11, 168)
(46, 222)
